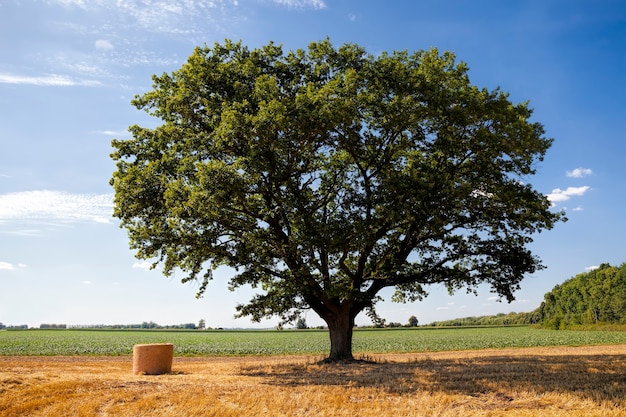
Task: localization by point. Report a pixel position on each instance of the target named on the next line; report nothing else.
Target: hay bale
(153, 359)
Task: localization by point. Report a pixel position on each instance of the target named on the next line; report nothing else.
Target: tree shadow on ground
(599, 378)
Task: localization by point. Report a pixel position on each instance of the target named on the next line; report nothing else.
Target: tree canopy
(323, 176)
(594, 297)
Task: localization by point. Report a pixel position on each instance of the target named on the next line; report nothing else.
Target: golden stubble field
(574, 381)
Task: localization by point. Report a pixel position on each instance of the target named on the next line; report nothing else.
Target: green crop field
(227, 342)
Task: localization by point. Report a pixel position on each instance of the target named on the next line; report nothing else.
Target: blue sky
(69, 68)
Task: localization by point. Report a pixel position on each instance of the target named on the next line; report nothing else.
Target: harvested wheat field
(575, 381)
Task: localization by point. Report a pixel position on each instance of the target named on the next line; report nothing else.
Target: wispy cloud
(53, 80)
(173, 16)
(6, 266)
(579, 172)
(112, 132)
(592, 267)
(103, 45)
(67, 3)
(57, 206)
(21, 232)
(164, 16)
(124, 35)
(557, 195)
(312, 4)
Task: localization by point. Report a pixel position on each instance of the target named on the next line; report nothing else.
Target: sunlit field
(499, 371)
(556, 381)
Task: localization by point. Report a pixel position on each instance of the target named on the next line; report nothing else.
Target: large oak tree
(323, 176)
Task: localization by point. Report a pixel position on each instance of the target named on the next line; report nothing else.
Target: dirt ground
(575, 381)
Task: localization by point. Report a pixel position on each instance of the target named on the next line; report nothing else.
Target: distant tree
(413, 322)
(202, 324)
(324, 176)
(52, 326)
(301, 323)
(2, 326)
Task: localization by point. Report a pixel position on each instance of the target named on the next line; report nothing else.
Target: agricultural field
(585, 381)
(289, 342)
(496, 371)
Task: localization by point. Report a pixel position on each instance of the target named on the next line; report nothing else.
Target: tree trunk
(340, 327)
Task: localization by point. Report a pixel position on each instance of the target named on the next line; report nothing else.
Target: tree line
(501, 319)
(596, 297)
(590, 298)
(143, 325)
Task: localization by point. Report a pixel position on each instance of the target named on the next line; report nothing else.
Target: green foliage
(590, 298)
(324, 176)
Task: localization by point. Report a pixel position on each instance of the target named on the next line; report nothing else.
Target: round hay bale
(153, 359)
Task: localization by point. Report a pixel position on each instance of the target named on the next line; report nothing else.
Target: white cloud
(579, 172)
(6, 266)
(145, 265)
(103, 220)
(557, 195)
(52, 80)
(577, 209)
(103, 45)
(592, 267)
(56, 205)
(87, 282)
